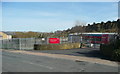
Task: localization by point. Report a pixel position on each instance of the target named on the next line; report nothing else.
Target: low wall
(56, 46)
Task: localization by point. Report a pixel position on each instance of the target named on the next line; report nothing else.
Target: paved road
(87, 52)
(17, 62)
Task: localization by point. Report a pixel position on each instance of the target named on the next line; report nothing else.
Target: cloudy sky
(52, 16)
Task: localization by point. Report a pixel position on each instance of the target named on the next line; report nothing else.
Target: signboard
(54, 40)
(97, 38)
(105, 38)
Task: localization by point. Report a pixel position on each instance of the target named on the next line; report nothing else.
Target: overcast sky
(52, 16)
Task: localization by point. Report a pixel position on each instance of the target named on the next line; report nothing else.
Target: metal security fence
(10, 44)
(86, 42)
(18, 43)
(26, 43)
(0, 43)
(41, 41)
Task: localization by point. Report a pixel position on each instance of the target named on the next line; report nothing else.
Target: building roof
(92, 33)
(9, 33)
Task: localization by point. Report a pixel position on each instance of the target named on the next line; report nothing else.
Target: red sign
(54, 40)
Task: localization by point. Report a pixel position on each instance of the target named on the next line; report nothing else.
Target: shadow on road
(85, 52)
(94, 53)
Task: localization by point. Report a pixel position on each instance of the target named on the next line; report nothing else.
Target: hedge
(111, 50)
(56, 46)
(107, 49)
(116, 55)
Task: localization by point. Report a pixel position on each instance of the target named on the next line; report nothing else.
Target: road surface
(17, 62)
(86, 52)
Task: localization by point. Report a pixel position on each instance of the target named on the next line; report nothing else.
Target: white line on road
(37, 64)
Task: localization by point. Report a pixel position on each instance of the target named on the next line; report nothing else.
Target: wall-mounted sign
(54, 40)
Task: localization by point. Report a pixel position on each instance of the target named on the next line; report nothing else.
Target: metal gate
(18, 43)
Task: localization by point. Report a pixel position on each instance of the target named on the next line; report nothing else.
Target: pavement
(27, 61)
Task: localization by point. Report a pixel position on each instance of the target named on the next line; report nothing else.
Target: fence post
(71, 39)
(19, 43)
(60, 40)
(47, 40)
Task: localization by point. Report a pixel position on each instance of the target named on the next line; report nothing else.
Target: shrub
(116, 55)
(117, 44)
(112, 50)
(107, 49)
(56, 46)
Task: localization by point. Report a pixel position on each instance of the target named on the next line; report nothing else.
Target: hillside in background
(31, 34)
(109, 26)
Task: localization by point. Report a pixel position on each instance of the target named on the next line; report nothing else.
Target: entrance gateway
(92, 39)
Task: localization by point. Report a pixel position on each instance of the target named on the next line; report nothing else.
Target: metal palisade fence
(18, 43)
(25, 43)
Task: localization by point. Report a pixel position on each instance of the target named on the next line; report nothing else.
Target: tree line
(109, 26)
